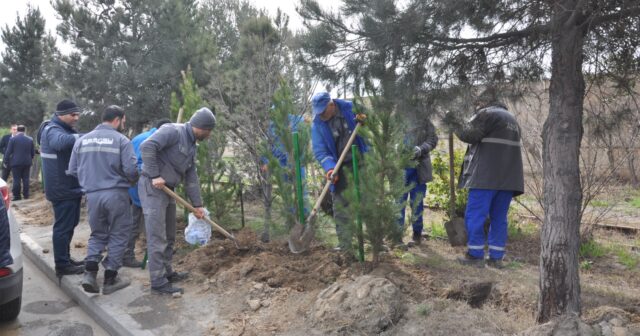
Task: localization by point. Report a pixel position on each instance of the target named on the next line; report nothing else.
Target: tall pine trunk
(559, 272)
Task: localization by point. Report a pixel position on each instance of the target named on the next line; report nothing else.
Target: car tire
(10, 310)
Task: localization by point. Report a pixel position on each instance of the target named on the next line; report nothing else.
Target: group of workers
(123, 182)
(117, 174)
(492, 169)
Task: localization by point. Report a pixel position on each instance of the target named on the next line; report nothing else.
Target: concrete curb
(70, 286)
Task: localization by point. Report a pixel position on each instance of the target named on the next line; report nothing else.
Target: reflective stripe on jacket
(56, 142)
(493, 159)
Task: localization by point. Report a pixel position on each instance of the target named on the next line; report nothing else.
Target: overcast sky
(9, 8)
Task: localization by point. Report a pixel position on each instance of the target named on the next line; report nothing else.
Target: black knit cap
(67, 107)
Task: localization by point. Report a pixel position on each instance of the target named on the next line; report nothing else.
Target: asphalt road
(47, 311)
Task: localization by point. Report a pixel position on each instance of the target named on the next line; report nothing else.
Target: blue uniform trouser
(111, 226)
(480, 204)
(416, 194)
(67, 217)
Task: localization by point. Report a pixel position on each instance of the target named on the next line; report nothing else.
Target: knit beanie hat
(203, 119)
(67, 107)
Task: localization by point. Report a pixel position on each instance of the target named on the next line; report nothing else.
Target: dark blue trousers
(480, 204)
(20, 177)
(67, 216)
(416, 194)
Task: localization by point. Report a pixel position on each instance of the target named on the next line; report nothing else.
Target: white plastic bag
(198, 232)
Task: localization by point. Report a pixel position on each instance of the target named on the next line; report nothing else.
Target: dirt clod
(368, 305)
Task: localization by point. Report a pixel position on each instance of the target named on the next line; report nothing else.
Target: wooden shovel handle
(327, 185)
(190, 207)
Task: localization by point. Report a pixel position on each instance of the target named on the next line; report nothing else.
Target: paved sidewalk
(131, 311)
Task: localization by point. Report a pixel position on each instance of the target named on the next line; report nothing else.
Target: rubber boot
(90, 281)
(112, 282)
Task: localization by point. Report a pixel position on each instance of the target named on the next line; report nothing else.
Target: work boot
(167, 289)
(174, 277)
(90, 281)
(112, 282)
(416, 240)
(495, 263)
(69, 270)
(76, 262)
(132, 263)
(469, 260)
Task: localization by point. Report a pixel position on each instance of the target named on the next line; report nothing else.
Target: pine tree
(279, 152)
(26, 70)
(381, 174)
(218, 178)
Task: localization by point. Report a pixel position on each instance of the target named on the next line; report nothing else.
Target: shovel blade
(300, 238)
(456, 231)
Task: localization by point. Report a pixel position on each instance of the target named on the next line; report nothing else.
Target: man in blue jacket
(129, 259)
(19, 156)
(105, 164)
(333, 123)
(56, 138)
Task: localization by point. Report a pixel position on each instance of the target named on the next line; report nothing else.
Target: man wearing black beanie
(56, 138)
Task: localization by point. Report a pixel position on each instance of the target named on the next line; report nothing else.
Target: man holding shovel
(168, 158)
(333, 123)
(493, 173)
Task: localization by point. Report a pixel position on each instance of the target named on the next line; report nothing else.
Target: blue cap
(319, 102)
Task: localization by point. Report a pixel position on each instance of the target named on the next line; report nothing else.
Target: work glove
(417, 152)
(328, 176)
(361, 117)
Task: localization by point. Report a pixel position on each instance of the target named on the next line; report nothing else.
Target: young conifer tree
(218, 178)
(278, 152)
(381, 174)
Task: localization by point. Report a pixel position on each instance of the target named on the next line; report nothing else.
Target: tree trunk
(559, 273)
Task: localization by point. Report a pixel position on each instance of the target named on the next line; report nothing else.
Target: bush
(438, 189)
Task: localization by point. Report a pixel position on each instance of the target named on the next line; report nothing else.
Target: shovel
(206, 219)
(455, 227)
(301, 236)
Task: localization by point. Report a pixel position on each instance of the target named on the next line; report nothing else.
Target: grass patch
(423, 309)
(521, 230)
(634, 201)
(586, 265)
(592, 249)
(599, 203)
(627, 258)
(513, 265)
(438, 230)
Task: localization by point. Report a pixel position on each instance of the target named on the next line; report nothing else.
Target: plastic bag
(198, 232)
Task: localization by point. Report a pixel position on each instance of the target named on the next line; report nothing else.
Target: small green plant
(438, 189)
(634, 201)
(591, 249)
(423, 309)
(438, 230)
(586, 265)
(599, 203)
(514, 265)
(520, 230)
(627, 258)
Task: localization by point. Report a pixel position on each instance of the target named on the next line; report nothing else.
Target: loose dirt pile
(269, 263)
